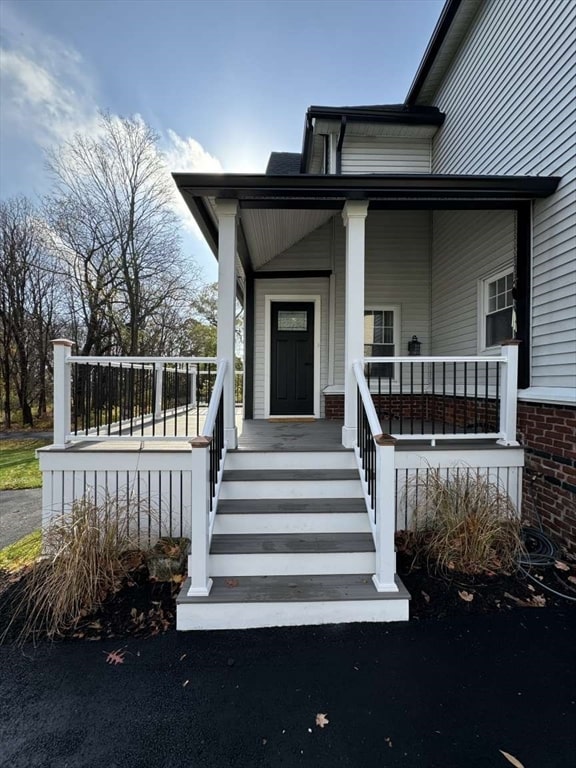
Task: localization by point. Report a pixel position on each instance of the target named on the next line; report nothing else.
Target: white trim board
(304, 298)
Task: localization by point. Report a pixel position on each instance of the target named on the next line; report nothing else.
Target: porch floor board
(262, 435)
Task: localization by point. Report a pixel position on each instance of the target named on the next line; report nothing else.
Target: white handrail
(137, 360)
(421, 359)
(215, 399)
(367, 399)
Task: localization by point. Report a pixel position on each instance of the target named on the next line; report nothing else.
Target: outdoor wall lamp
(414, 346)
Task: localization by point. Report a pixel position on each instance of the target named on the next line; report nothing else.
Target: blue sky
(223, 82)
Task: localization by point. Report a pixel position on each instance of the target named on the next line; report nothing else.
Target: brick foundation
(547, 433)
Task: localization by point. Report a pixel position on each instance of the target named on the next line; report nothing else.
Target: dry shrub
(82, 564)
(464, 522)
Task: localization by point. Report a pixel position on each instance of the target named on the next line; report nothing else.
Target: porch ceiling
(278, 211)
(270, 232)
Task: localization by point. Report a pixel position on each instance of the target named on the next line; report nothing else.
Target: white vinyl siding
(301, 287)
(511, 109)
(364, 154)
(397, 273)
(468, 247)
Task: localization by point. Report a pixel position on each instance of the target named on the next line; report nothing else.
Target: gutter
(339, 145)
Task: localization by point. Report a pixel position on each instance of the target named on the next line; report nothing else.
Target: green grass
(23, 552)
(19, 465)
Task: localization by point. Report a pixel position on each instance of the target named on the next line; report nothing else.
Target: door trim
(304, 298)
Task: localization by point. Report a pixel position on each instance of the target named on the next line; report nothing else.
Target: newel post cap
(201, 442)
(62, 343)
(385, 440)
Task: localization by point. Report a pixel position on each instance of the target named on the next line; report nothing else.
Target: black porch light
(414, 346)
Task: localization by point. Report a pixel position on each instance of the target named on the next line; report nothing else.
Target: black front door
(292, 359)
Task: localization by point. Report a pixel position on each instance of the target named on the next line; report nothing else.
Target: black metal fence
(140, 398)
(423, 396)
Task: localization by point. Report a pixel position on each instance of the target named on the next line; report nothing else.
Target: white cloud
(48, 93)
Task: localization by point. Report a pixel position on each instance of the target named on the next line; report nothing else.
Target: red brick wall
(548, 433)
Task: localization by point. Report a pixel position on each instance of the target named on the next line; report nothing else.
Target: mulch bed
(143, 607)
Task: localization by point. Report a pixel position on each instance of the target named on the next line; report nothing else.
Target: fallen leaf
(185, 683)
(515, 762)
(231, 582)
(183, 656)
(388, 741)
(321, 719)
(425, 595)
(561, 566)
(531, 588)
(451, 566)
(572, 579)
(466, 596)
(518, 601)
(178, 578)
(539, 601)
(115, 657)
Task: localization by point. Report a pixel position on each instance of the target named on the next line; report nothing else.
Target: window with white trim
(497, 309)
(381, 326)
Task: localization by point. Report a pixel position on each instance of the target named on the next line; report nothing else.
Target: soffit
(270, 232)
(377, 130)
(443, 59)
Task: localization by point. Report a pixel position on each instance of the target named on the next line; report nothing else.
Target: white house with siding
(409, 290)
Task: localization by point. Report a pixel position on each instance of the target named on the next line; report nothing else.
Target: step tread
(290, 543)
(287, 506)
(272, 589)
(289, 475)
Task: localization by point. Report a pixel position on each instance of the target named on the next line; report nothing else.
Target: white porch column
(227, 211)
(354, 216)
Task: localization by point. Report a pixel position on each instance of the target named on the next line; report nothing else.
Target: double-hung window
(381, 326)
(497, 309)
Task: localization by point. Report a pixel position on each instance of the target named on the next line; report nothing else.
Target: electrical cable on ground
(538, 549)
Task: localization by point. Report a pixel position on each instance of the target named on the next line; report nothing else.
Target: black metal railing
(367, 453)
(216, 450)
(436, 396)
(139, 398)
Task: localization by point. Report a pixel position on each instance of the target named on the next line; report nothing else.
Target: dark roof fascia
(440, 31)
(252, 187)
(402, 115)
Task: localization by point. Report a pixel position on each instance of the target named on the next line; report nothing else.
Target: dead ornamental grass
(82, 564)
(464, 522)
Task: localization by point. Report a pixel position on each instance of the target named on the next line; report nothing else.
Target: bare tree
(113, 224)
(26, 308)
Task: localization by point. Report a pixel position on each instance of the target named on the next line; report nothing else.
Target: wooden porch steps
(291, 545)
(266, 601)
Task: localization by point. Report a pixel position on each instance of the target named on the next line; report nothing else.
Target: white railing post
(509, 393)
(193, 387)
(200, 583)
(385, 511)
(62, 391)
(158, 394)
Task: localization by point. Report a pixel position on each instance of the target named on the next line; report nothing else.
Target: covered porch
(337, 270)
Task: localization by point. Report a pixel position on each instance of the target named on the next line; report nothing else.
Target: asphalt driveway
(20, 514)
(448, 693)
